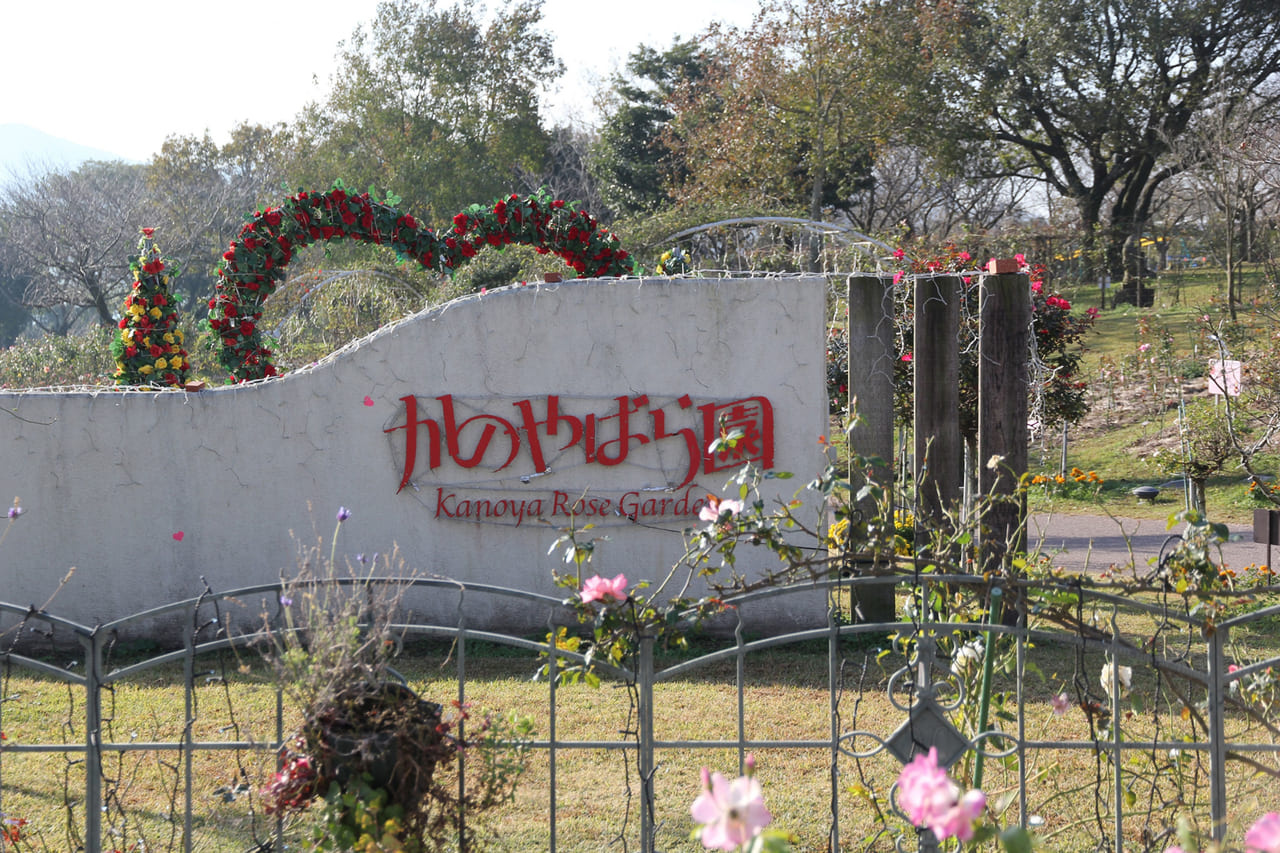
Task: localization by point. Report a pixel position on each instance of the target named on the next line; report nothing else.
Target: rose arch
(255, 262)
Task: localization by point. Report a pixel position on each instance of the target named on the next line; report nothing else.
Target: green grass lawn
(785, 697)
(1134, 403)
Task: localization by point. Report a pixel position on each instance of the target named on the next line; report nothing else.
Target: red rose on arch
(337, 214)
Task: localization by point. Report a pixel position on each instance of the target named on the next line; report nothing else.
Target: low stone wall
(462, 436)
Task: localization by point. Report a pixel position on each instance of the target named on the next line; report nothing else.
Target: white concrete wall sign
(464, 435)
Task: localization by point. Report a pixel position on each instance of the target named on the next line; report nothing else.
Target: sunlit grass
(785, 697)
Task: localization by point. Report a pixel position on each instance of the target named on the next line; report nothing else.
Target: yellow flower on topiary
(149, 315)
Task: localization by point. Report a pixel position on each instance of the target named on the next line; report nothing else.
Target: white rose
(1123, 673)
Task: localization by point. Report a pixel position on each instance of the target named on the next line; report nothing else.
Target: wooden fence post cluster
(1003, 376)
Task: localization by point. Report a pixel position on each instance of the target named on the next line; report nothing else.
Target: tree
(1228, 178)
(1207, 443)
(907, 193)
(202, 193)
(632, 160)
(1086, 96)
(566, 173)
(433, 105)
(70, 234)
(797, 72)
(14, 315)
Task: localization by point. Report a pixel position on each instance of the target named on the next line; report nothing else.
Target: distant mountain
(23, 148)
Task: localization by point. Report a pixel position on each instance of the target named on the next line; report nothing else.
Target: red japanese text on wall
(436, 439)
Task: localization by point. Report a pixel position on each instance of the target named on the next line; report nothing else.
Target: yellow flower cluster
(1076, 475)
(838, 534)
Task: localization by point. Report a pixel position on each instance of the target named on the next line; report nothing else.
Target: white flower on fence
(968, 658)
(1123, 673)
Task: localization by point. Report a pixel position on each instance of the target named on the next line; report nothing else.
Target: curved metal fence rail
(933, 706)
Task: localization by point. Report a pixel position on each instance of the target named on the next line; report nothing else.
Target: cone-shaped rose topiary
(148, 350)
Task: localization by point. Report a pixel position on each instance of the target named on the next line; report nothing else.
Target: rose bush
(1060, 396)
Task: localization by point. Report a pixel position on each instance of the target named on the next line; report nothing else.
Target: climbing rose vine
(255, 262)
(148, 350)
(1059, 333)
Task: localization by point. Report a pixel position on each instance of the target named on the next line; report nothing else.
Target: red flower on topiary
(148, 349)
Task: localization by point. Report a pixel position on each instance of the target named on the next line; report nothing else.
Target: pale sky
(121, 75)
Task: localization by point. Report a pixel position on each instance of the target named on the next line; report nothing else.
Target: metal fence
(1124, 768)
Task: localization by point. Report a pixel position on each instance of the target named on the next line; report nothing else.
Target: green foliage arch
(255, 262)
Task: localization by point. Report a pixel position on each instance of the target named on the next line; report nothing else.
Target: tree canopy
(435, 104)
(780, 119)
(68, 235)
(633, 162)
(894, 117)
(1087, 96)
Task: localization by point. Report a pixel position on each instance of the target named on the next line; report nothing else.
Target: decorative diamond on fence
(927, 726)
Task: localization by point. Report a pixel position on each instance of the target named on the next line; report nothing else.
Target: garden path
(1095, 542)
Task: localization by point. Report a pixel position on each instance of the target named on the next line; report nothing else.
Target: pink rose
(1264, 835)
(932, 801)
(730, 813)
(715, 508)
(604, 590)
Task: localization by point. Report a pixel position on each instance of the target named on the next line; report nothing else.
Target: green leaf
(1015, 839)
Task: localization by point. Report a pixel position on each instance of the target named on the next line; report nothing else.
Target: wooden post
(1003, 379)
(939, 449)
(871, 364)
